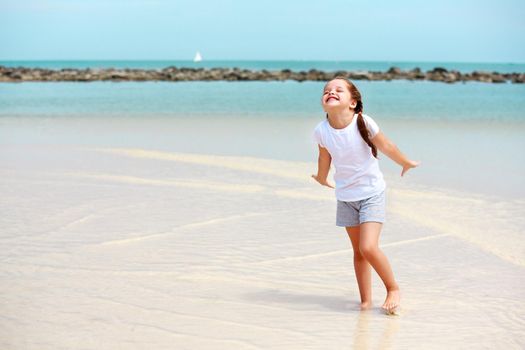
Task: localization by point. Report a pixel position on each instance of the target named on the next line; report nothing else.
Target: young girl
(350, 139)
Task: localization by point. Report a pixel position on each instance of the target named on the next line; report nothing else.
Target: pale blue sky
(447, 30)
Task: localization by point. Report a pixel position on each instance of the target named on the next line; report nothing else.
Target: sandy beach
(156, 162)
(138, 248)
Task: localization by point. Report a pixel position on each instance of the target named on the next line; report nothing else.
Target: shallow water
(480, 157)
(106, 246)
(468, 136)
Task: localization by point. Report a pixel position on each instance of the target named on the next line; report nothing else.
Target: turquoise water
(387, 100)
(276, 65)
(469, 136)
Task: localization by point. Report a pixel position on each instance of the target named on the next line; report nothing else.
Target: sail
(197, 57)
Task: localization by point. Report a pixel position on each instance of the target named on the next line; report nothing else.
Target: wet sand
(136, 248)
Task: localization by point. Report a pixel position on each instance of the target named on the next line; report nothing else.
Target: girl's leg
(362, 269)
(369, 247)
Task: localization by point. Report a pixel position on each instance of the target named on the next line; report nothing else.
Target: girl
(351, 139)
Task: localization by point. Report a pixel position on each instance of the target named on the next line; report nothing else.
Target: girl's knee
(368, 249)
(358, 255)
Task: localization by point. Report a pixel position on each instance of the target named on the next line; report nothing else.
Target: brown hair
(361, 126)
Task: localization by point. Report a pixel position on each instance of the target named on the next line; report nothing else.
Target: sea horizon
(295, 64)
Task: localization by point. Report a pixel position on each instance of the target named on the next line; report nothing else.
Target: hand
(409, 165)
(324, 183)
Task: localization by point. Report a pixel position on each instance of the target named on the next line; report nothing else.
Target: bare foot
(392, 301)
(365, 305)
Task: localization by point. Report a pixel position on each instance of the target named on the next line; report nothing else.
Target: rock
(416, 74)
(439, 70)
(362, 75)
(172, 73)
(394, 71)
(339, 73)
(498, 78)
(518, 78)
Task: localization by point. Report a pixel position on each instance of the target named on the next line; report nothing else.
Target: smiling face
(336, 96)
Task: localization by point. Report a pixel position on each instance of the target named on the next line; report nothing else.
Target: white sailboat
(197, 57)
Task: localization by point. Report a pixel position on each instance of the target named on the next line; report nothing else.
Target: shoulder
(321, 126)
(319, 133)
(367, 118)
(371, 124)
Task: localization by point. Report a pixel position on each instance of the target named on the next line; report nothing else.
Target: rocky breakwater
(174, 74)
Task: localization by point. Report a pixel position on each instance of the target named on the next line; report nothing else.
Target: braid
(362, 127)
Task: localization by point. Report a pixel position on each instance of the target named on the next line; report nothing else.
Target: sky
(335, 30)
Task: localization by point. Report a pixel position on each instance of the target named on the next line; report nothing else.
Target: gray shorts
(355, 213)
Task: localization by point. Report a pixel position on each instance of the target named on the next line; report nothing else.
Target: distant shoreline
(174, 74)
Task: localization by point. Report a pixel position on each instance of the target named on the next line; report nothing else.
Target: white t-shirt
(357, 174)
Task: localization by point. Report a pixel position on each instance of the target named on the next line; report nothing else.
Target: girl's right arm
(323, 167)
(390, 149)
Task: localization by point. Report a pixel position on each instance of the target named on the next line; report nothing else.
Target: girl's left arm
(390, 149)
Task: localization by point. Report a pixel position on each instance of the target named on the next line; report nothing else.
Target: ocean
(467, 135)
